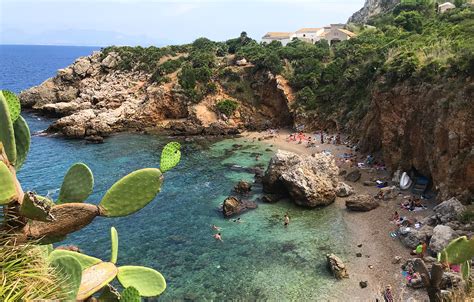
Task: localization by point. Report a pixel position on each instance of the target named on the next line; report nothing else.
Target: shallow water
(259, 258)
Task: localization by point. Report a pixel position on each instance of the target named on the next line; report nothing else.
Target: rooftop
(277, 35)
(308, 30)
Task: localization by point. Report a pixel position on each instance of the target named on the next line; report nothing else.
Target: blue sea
(259, 259)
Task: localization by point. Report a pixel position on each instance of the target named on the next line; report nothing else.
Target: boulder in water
(336, 266)
(233, 206)
(243, 187)
(310, 181)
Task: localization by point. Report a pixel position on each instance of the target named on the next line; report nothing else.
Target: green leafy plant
(227, 106)
(138, 281)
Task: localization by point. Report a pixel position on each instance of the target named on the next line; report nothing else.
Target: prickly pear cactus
(147, 281)
(8, 189)
(95, 278)
(170, 156)
(131, 193)
(84, 260)
(457, 251)
(22, 141)
(36, 207)
(13, 103)
(70, 269)
(130, 294)
(7, 135)
(77, 184)
(114, 243)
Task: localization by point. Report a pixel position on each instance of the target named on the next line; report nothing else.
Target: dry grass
(25, 274)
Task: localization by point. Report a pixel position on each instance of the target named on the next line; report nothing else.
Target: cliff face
(372, 8)
(428, 127)
(94, 98)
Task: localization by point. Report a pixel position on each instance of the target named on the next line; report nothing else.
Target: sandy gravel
(369, 229)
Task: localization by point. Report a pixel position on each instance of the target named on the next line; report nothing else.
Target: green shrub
(227, 107)
(410, 21)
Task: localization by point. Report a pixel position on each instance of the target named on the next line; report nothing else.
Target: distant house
(445, 7)
(333, 34)
(311, 35)
(283, 37)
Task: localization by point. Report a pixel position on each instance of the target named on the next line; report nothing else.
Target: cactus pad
(7, 136)
(131, 193)
(130, 294)
(22, 141)
(147, 281)
(8, 191)
(466, 269)
(36, 207)
(457, 251)
(84, 260)
(77, 184)
(114, 247)
(13, 102)
(70, 270)
(96, 277)
(170, 156)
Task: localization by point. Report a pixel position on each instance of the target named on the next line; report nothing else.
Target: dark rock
(271, 198)
(359, 255)
(243, 187)
(361, 203)
(96, 139)
(363, 284)
(353, 176)
(233, 206)
(359, 245)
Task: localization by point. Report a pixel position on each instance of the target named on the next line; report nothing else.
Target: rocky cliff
(372, 8)
(93, 97)
(428, 127)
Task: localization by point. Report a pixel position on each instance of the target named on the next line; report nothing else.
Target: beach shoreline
(369, 232)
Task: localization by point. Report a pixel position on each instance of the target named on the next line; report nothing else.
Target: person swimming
(286, 220)
(238, 220)
(218, 237)
(215, 227)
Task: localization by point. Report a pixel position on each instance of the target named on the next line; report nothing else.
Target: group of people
(218, 236)
(311, 142)
(412, 204)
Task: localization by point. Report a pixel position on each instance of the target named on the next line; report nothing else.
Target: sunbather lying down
(412, 204)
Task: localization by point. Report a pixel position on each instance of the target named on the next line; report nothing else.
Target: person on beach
(396, 217)
(387, 295)
(286, 220)
(215, 227)
(218, 237)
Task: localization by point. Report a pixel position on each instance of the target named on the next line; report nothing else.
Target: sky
(159, 22)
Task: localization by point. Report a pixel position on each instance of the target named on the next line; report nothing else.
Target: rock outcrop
(361, 203)
(310, 181)
(233, 206)
(94, 97)
(344, 190)
(372, 8)
(449, 210)
(336, 266)
(243, 187)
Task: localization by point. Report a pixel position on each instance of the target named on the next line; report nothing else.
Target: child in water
(218, 237)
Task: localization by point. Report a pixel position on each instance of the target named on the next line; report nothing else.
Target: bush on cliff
(227, 107)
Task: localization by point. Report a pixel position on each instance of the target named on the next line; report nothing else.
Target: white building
(333, 34)
(283, 37)
(311, 35)
(445, 7)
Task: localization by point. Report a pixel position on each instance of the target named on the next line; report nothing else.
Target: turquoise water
(259, 258)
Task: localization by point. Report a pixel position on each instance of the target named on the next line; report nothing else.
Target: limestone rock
(388, 193)
(310, 181)
(110, 61)
(361, 203)
(344, 190)
(81, 66)
(449, 210)
(442, 235)
(233, 206)
(336, 266)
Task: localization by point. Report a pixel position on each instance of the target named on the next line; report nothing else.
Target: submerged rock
(361, 203)
(243, 187)
(336, 266)
(233, 206)
(310, 181)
